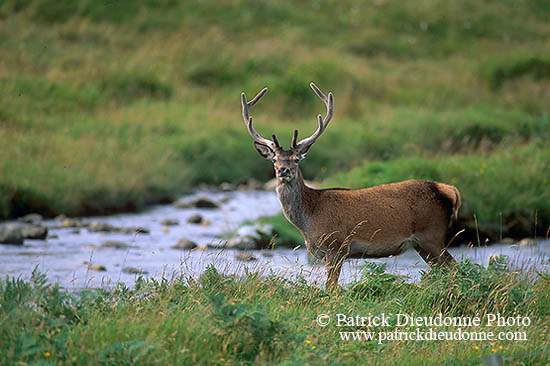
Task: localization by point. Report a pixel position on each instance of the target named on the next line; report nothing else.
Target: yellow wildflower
(47, 354)
(58, 330)
(493, 350)
(308, 341)
(476, 348)
(313, 347)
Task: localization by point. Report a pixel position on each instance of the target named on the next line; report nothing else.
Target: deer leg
(433, 253)
(334, 266)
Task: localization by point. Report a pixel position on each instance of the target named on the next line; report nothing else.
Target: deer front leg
(334, 266)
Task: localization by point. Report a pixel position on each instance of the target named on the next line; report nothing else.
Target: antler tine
(248, 120)
(323, 122)
(294, 138)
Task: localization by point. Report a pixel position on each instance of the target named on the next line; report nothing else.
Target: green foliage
(221, 319)
(93, 92)
(536, 67)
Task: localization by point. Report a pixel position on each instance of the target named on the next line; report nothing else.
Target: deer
(373, 222)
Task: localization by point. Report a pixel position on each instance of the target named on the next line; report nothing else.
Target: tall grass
(221, 319)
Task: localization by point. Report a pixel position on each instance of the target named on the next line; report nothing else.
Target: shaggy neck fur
(291, 194)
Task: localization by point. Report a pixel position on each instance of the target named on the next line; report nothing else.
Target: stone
(227, 187)
(11, 234)
(184, 244)
(240, 243)
(34, 231)
(169, 222)
(508, 241)
(251, 237)
(114, 244)
(527, 242)
(53, 236)
(96, 226)
(96, 267)
(195, 219)
(32, 218)
(199, 202)
(71, 223)
(135, 230)
(245, 257)
(133, 270)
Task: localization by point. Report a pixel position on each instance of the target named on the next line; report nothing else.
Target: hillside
(109, 106)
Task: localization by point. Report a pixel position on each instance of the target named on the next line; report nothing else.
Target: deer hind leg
(433, 251)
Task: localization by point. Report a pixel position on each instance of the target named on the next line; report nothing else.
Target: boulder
(133, 270)
(195, 219)
(135, 230)
(71, 223)
(34, 232)
(32, 218)
(11, 234)
(527, 242)
(228, 186)
(184, 244)
(245, 257)
(249, 237)
(114, 244)
(97, 267)
(199, 202)
(96, 226)
(169, 222)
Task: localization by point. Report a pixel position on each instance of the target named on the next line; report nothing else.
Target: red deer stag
(373, 222)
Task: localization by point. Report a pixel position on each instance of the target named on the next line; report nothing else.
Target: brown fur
(373, 222)
(366, 223)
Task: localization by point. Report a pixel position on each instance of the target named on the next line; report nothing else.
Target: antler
(274, 145)
(306, 143)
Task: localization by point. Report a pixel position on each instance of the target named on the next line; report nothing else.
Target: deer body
(373, 222)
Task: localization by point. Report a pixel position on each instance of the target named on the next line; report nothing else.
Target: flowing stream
(67, 254)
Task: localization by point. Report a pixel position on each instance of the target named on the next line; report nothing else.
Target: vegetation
(264, 319)
(108, 106)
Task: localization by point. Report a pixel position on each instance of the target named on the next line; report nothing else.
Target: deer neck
(293, 200)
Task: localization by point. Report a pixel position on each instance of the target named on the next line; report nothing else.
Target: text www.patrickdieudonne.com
(406, 327)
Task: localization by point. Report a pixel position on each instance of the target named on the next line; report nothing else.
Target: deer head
(285, 162)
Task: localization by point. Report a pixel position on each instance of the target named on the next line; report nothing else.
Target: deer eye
(297, 160)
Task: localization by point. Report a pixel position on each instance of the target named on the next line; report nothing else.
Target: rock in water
(71, 223)
(195, 219)
(200, 202)
(184, 244)
(245, 257)
(527, 242)
(251, 237)
(32, 218)
(96, 226)
(169, 222)
(114, 244)
(34, 232)
(11, 234)
(97, 267)
(133, 270)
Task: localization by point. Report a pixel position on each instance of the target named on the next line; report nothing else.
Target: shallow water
(65, 259)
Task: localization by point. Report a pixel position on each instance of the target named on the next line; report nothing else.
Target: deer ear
(264, 150)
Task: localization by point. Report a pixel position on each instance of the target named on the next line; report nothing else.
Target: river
(65, 257)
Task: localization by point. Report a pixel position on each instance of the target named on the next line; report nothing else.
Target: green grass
(255, 320)
(109, 106)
